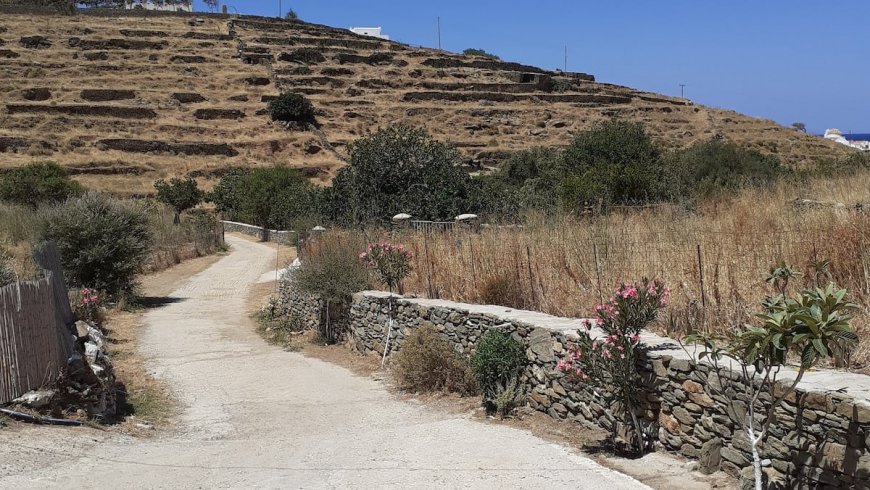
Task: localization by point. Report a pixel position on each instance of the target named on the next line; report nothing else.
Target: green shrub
(400, 169)
(717, 166)
(291, 107)
(508, 397)
(616, 162)
(479, 52)
(275, 198)
(427, 363)
(103, 242)
(180, 194)
(497, 359)
(333, 272)
(38, 183)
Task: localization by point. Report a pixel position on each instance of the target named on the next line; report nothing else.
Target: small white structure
(836, 136)
(164, 5)
(370, 31)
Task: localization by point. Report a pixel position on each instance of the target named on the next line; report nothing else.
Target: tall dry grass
(715, 259)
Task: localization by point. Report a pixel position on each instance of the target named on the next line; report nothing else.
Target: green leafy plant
(509, 396)
(400, 169)
(180, 194)
(426, 363)
(608, 363)
(497, 359)
(38, 183)
(812, 326)
(332, 272)
(479, 52)
(274, 198)
(291, 107)
(103, 242)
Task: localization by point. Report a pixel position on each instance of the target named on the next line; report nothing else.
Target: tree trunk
(176, 220)
(756, 458)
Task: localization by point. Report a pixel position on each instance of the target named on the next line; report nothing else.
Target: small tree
(609, 364)
(813, 325)
(180, 194)
(391, 263)
(332, 272)
(400, 169)
(103, 242)
(479, 52)
(291, 15)
(291, 107)
(38, 183)
(800, 126)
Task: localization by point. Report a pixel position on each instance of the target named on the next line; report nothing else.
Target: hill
(123, 98)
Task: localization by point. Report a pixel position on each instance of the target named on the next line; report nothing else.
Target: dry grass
(348, 107)
(565, 266)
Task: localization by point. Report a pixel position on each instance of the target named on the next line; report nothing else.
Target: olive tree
(180, 194)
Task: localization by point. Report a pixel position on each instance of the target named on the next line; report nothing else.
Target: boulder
(710, 457)
(36, 399)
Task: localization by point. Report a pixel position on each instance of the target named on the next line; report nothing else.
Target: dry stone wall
(277, 236)
(820, 438)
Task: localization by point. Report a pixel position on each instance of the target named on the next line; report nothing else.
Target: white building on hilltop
(370, 31)
(164, 5)
(836, 136)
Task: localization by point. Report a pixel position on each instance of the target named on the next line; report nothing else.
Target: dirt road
(255, 416)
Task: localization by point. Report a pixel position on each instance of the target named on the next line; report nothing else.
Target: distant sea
(857, 137)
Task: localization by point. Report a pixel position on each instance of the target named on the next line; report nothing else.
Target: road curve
(255, 416)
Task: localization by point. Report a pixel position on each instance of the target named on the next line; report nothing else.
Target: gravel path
(256, 416)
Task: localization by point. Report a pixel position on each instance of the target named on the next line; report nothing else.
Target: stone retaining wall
(821, 438)
(277, 236)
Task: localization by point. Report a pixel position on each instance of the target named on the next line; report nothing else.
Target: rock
(684, 416)
(736, 411)
(689, 451)
(82, 329)
(669, 423)
(36, 398)
(710, 456)
(692, 386)
(679, 365)
(541, 344)
(734, 456)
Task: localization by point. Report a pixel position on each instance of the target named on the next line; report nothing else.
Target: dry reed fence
(34, 338)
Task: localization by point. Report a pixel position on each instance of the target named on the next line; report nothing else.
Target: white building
(836, 136)
(165, 5)
(370, 31)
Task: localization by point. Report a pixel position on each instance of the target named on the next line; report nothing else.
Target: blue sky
(787, 60)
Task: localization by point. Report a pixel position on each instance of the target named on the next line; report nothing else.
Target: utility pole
(566, 59)
(438, 28)
(682, 90)
(280, 10)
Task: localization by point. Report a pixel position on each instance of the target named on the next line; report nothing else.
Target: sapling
(813, 325)
(392, 263)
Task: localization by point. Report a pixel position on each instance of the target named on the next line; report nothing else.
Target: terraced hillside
(123, 99)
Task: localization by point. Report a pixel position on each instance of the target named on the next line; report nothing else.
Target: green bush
(427, 363)
(276, 197)
(400, 169)
(497, 359)
(717, 166)
(180, 194)
(291, 107)
(333, 272)
(479, 52)
(38, 183)
(615, 163)
(103, 242)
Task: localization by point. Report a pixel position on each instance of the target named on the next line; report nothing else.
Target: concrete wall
(821, 438)
(277, 236)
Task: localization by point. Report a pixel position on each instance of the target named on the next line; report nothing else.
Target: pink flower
(563, 365)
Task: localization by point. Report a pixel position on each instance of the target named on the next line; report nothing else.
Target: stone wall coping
(840, 384)
(254, 227)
